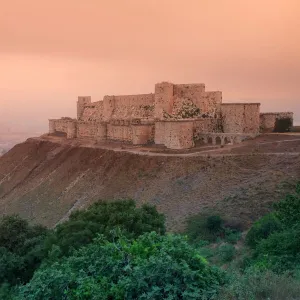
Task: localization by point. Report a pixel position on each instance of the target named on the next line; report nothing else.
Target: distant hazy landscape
(10, 136)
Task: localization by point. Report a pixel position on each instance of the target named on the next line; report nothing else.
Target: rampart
(175, 115)
(175, 134)
(240, 117)
(268, 120)
(65, 125)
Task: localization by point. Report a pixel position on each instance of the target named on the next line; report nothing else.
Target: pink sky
(53, 51)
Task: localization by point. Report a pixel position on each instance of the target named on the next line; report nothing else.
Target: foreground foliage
(115, 250)
(102, 217)
(21, 249)
(260, 285)
(277, 236)
(150, 267)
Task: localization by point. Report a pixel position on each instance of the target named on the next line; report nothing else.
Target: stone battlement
(175, 115)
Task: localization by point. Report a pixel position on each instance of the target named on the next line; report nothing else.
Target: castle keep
(175, 115)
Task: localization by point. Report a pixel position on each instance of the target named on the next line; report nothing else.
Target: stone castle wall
(175, 115)
(85, 129)
(240, 117)
(167, 95)
(65, 125)
(119, 132)
(268, 120)
(205, 125)
(81, 103)
(133, 106)
(92, 112)
(208, 102)
(175, 134)
(163, 99)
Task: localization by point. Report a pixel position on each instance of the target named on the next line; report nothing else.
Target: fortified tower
(81, 103)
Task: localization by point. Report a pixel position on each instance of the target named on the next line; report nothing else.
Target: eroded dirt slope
(44, 181)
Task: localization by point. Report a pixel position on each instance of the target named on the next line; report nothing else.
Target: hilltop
(45, 178)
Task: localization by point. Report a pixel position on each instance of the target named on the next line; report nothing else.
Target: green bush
(104, 218)
(212, 229)
(202, 227)
(262, 228)
(232, 236)
(288, 210)
(258, 285)
(226, 253)
(7, 292)
(214, 223)
(280, 251)
(22, 249)
(149, 267)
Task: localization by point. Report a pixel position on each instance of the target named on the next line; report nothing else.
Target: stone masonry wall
(142, 134)
(66, 125)
(174, 134)
(85, 129)
(205, 125)
(191, 91)
(163, 99)
(119, 132)
(92, 112)
(61, 125)
(208, 102)
(179, 134)
(133, 106)
(267, 120)
(159, 136)
(240, 117)
(81, 103)
(108, 107)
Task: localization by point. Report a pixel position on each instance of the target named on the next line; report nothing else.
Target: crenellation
(175, 116)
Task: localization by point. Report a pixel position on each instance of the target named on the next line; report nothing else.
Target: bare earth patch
(45, 178)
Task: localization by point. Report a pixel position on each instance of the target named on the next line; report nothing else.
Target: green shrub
(280, 251)
(150, 267)
(232, 236)
(214, 223)
(257, 285)
(226, 253)
(262, 228)
(22, 249)
(288, 210)
(202, 227)
(7, 292)
(104, 218)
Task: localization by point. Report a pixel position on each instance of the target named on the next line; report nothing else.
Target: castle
(175, 115)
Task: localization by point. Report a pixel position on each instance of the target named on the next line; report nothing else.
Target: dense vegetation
(115, 250)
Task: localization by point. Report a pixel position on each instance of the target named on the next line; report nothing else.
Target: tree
(152, 266)
(22, 249)
(288, 210)
(262, 229)
(105, 217)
